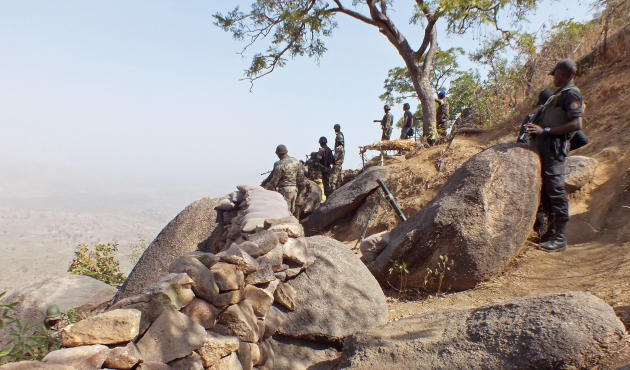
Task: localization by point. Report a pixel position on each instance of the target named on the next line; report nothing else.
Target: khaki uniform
(286, 178)
(386, 126)
(442, 116)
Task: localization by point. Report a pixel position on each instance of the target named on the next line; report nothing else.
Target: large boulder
(334, 297)
(579, 172)
(471, 230)
(551, 331)
(310, 198)
(344, 200)
(67, 291)
(187, 232)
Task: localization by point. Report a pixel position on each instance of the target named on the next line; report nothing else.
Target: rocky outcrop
(569, 330)
(113, 327)
(477, 223)
(373, 245)
(185, 233)
(579, 172)
(309, 199)
(344, 200)
(335, 295)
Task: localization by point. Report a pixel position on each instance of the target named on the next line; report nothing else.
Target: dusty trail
(598, 257)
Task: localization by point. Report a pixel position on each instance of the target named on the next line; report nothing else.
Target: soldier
(386, 123)
(442, 113)
(407, 129)
(560, 116)
(287, 177)
(340, 152)
(327, 162)
(314, 169)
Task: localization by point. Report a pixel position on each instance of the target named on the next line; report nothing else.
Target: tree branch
(356, 15)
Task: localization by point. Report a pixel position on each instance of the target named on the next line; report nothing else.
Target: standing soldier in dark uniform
(386, 123)
(287, 177)
(327, 162)
(560, 116)
(442, 113)
(340, 152)
(407, 129)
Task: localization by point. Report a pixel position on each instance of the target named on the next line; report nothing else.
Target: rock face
(172, 335)
(344, 200)
(335, 297)
(309, 199)
(185, 233)
(67, 291)
(479, 221)
(568, 330)
(85, 357)
(579, 171)
(111, 327)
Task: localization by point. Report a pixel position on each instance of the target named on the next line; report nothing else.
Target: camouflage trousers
(335, 175)
(290, 195)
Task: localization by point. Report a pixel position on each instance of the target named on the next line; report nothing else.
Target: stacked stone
(212, 311)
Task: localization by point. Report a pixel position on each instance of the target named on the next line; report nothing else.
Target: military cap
(566, 64)
(281, 149)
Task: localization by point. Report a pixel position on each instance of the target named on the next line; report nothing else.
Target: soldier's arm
(273, 179)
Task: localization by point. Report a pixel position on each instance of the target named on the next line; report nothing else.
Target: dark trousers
(554, 197)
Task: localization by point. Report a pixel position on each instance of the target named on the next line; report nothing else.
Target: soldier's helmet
(441, 94)
(387, 108)
(323, 140)
(281, 149)
(52, 312)
(337, 127)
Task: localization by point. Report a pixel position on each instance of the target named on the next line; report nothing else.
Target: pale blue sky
(143, 96)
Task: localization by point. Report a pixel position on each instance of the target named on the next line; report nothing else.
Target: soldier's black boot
(557, 244)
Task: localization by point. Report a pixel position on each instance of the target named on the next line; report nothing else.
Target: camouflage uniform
(442, 116)
(340, 152)
(386, 126)
(315, 172)
(287, 176)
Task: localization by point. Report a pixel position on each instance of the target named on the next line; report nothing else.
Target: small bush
(99, 262)
(25, 342)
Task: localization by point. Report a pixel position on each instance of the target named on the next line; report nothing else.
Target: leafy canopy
(298, 27)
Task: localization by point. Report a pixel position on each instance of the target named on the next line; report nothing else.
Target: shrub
(98, 262)
(25, 342)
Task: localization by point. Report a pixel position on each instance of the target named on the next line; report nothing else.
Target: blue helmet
(441, 94)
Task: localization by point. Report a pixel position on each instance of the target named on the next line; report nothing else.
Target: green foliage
(435, 277)
(564, 37)
(293, 28)
(400, 267)
(297, 28)
(99, 263)
(25, 342)
(398, 85)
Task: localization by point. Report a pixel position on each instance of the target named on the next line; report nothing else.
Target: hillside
(598, 257)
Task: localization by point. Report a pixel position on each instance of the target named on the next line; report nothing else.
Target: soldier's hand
(533, 128)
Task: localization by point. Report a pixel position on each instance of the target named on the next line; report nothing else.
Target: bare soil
(598, 256)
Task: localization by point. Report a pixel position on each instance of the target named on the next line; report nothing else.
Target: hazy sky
(143, 96)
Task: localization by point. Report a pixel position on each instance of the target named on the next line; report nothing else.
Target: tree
(296, 28)
(398, 85)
